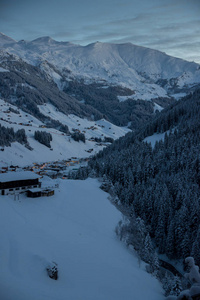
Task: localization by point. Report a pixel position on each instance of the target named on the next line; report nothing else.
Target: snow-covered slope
(99, 129)
(62, 145)
(149, 73)
(5, 39)
(75, 229)
(155, 138)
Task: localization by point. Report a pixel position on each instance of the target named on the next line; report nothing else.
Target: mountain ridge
(143, 70)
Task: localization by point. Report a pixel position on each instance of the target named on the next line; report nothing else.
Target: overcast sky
(172, 26)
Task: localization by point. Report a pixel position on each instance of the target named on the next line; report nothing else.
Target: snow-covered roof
(16, 176)
(35, 190)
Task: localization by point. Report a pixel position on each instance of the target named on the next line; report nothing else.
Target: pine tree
(196, 248)
(170, 242)
(176, 286)
(147, 251)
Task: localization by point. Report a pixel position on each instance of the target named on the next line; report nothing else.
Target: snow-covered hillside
(62, 145)
(75, 229)
(149, 73)
(4, 39)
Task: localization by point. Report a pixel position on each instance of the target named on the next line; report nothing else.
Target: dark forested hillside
(161, 185)
(106, 101)
(28, 86)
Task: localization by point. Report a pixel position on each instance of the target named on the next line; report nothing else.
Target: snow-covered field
(62, 146)
(156, 137)
(152, 139)
(75, 229)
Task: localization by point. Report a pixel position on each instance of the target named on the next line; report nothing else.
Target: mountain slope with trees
(26, 86)
(112, 81)
(161, 185)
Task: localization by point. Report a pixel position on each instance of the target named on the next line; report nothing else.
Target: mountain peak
(145, 71)
(44, 39)
(95, 44)
(4, 39)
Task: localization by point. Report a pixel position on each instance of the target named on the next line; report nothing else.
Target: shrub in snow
(78, 136)
(167, 283)
(176, 286)
(106, 184)
(52, 271)
(108, 139)
(194, 277)
(122, 229)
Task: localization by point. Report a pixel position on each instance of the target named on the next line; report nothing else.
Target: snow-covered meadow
(156, 137)
(75, 229)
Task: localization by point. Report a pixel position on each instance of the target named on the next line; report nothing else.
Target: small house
(34, 193)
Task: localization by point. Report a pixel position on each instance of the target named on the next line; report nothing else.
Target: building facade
(18, 182)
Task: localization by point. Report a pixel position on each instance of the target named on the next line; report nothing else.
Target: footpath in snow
(75, 229)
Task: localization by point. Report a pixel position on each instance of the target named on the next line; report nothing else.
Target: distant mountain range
(147, 73)
(97, 81)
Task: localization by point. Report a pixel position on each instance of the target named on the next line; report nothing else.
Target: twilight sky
(172, 26)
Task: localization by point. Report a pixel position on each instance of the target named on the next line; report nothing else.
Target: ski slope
(75, 229)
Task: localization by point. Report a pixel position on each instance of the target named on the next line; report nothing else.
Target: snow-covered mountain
(27, 86)
(148, 73)
(63, 146)
(4, 39)
(52, 81)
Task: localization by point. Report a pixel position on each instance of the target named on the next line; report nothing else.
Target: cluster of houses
(14, 180)
(58, 169)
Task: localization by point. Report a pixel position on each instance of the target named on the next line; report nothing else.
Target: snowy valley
(75, 229)
(121, 117)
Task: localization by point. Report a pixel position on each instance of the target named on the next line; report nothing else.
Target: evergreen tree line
(43, 137)
(160, 185)
(78, 136)
(8, 136)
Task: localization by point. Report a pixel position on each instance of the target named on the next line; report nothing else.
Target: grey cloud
(168, 25)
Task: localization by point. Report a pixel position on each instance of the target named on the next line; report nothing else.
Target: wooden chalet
(34, 193)
(47, 192)
(18, 182)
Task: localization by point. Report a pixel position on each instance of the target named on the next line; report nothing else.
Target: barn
(18, 182)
